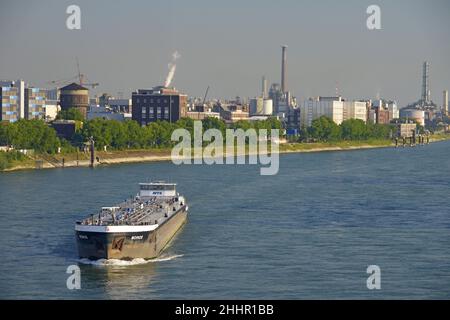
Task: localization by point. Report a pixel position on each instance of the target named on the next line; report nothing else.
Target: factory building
(158, 104)
(201, 112)
(394, 112)
(425, 103)
(383, 111)
(293, 119)
(74, 96)
(120, 105)
(233, 112)
(234, 116)
(354, 110)
(202, 115)
(261, 107)
(331, 107)
(106, 114)
(282, 99)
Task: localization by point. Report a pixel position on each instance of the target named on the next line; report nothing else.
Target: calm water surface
(308, 232)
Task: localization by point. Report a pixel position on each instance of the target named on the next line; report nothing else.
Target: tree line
(37, 135)
(29, 134)
(130, 135)
(325, 129)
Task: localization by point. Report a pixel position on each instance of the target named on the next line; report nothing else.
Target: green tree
(70, 114)
(98, 129)
(379, 131)
(214, 123)
(354, 129)
(32, 134)
(135, 134)
(325, 129)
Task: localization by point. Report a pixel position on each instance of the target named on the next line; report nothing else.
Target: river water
(309, 232)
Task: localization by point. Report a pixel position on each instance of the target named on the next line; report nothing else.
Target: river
(310, 231)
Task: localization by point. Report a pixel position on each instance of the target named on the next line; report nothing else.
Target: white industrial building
(394, 111)
(332, 108)
(51, 109)
(355, 110)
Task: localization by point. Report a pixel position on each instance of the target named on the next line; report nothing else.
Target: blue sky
(229, 45)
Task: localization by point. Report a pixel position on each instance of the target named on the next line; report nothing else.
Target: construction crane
(206, 94)
(80, 77)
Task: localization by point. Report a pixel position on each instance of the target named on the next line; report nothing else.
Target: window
(157, 187)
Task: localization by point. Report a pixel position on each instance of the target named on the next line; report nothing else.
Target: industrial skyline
(328, 44)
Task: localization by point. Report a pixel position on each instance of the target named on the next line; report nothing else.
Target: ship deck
(136, 212)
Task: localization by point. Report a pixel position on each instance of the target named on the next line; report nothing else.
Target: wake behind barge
(140, 227)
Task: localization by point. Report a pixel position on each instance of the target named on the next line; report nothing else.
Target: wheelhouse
(157, 189)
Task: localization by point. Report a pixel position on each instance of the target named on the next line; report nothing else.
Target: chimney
(283, 69)
(426, 93)
(445, 103)
(264, 87)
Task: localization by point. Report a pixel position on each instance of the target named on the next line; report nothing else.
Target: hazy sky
(231, 44)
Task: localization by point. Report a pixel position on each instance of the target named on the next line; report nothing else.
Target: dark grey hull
(129, 245)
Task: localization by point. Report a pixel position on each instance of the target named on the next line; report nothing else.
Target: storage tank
(74, 96)
(414, 114)
(267, 107)
(256, 106)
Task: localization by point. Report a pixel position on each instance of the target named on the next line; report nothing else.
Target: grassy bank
(336, 145)
(16, 161)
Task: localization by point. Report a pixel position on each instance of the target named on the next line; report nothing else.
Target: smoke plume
(172, 67)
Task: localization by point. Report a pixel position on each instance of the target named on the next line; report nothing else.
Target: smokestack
(426, 93)
(445, 104)
(283, 69)
(264, 87)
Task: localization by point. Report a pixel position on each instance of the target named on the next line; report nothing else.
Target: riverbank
(153, 155)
